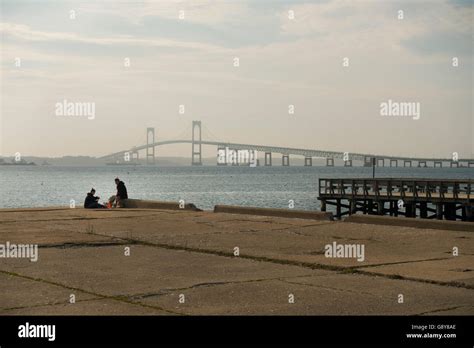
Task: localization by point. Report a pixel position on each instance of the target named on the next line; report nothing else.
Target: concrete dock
(172, 262)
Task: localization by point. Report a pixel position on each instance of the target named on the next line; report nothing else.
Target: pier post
(268, 159)
(370, 206)
(438, 164)
(308, 161)
(421, 164)
(323, 205)
(393, 161)
(409, 210)
(423, 210)
(348, 163)
(450, 211)
(338, 209)
(383, 162)
(352, 209)
(395, 208)
(380, 207)
(468, 212)
(285, 160)
(329, 162)
(454, 164)
(439, 211)
(407, 162)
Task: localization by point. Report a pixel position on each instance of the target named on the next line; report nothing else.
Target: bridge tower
(196, 144)
(150, 150)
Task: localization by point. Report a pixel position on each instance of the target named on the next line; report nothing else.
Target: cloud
(25, 33)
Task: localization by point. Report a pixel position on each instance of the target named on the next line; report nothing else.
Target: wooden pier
(424, 198)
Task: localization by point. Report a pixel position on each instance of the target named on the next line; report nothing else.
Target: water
(41, 186)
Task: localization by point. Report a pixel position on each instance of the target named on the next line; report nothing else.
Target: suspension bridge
(132, 155)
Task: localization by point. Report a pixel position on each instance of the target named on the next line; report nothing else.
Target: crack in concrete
(322, 223)
(402, 262)
(103, 296)
(73, 245)
(439, 310)
(207, 284)
(328, 288)
(47, 304)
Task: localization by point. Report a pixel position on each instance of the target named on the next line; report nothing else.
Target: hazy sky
(290, 53)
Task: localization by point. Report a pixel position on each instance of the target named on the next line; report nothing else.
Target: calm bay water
(41, 186)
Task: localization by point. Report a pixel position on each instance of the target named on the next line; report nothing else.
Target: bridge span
(196, 142)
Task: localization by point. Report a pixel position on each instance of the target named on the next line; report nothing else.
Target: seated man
(91, 202)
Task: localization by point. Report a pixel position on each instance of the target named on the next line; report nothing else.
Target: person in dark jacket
(121, 191)
(91, 201)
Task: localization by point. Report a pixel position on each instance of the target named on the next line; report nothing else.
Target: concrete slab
(456, 269)
(17, 292)
(320, 295)
(383, 244)
(107, 271)
(89, 307)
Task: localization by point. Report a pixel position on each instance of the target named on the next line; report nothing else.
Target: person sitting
(91, 201)
(121, 192)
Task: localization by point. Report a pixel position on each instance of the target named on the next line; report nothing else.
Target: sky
(332, 62)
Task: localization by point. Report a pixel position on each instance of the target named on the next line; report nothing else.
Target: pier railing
(371, 195)
(391, 188)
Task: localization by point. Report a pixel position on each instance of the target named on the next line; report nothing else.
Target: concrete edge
(24, 210)
(142, 204)
(285, 213)
(462, 226)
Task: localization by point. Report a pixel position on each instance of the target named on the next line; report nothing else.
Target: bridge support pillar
(150, 149)
(392, 161)
(454, 164)
(348, 163)
(308, 161)
(196, 159)
(421, 164)
(407, 163)
(380, 160)
(268, 159)
(221, 155)
(437, 164)
(285, 160)
(329, 162)
(367, 161)
(135, 157)
(235, 161)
